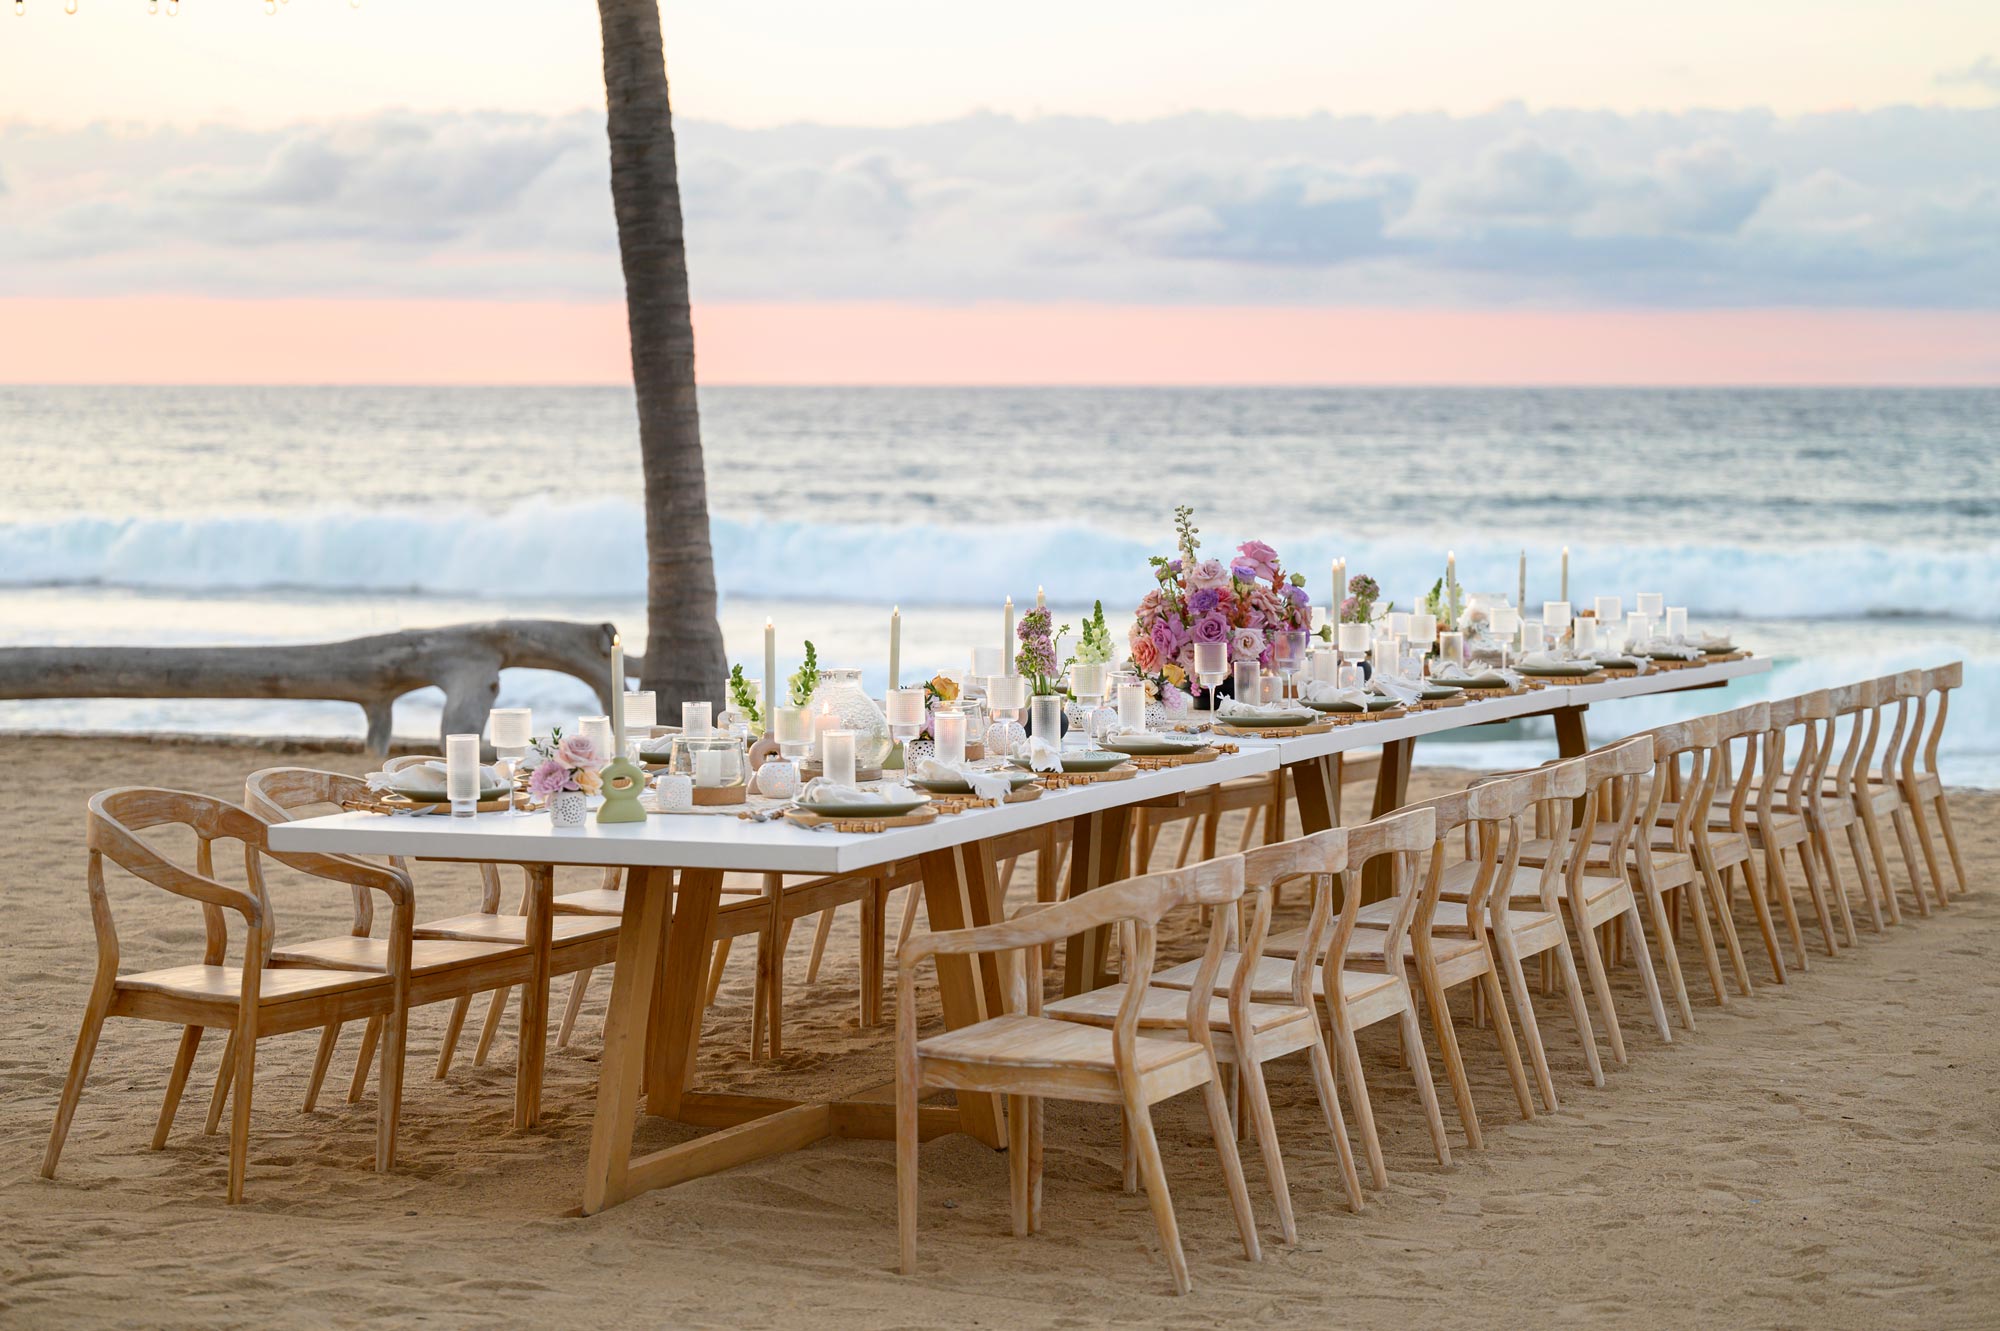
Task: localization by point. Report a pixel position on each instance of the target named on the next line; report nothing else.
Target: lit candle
(895, 648)
(837, 757)
(1565, 582)
(1339, 588)
(948, 734)
(1131, 706)
(1450, 580)
(1007, 641)
(770, 673)
(617, 694)
(1521, 598)
(708, 767)
(1041, 601)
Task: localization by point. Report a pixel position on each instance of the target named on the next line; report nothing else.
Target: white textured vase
(567, 807)
(778, 779)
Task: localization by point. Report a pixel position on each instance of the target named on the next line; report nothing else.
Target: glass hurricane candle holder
(792, 728)
(1555, 620)
(1388, 656)
(1132, 707)
(697, 718)
(1531, 638)
(1086, 684)
(1045, 718)
(948, 728)
(1006, 695)
(513, 730)
(837, 756)
(840, 692)
(1584, 636)
(1652, 605)
(1638, 631)
(1288, 656)
(1610, 611)
(1677, 622)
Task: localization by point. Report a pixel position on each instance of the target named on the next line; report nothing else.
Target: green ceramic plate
(1479, 682)
(1266, 721)
(959, 786)
(863, 809)
(1375, 704)
(1568, 670)
(439, 797)
(1152, 744)
(1434, 692)
(1094, 760)
(1619, 663)
(1718, 651)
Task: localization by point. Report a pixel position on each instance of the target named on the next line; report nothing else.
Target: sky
(913, 192)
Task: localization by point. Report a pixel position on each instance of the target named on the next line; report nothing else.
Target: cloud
(1983, 73)
(1896, 207)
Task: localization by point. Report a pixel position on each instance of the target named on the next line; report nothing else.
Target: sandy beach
(1822, 1154)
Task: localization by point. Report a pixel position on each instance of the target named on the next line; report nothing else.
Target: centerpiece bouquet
(1241, 602)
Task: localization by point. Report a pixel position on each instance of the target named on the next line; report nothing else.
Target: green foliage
(742, 697)
(806, 678)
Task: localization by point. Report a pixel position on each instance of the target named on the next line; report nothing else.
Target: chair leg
(1899, 819)
(1232, 1170)
(495, 1009)
(1487, 990)
(225, 1077)
(1128, 1156)
(1809, 866)
(239, 1123)
(1670, 956)
(1877, 853)
(1420, 1073)
(389, 1085)
(1718, 900)
(370, 1033)
(176, 1083)
(1864, 870)
(329, 1036)
(578, 983)
(1454, 1062)
(906, 1173)
(1139, 1123)
(1950, 842)
(1188, 827)
(1531, 1031)
(1588, 942)
(1928, 844)
(1336, 1122)
(716, 963)
(1259, 1098)
(1632, 926)
(1779, 881)
(1034, 1164)
(79, 1070)
(1820, 850)
(1760, 906)
(1357, 1090)
(1017, 1163)
(820, 933)
(911, 897)
(1579, 1012)
(459, 1007)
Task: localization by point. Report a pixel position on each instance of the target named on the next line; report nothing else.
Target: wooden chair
(1448, 940)
(1247, 1033)
(1806, 795)
(1922, 785)
(1910, 691)
(440, 968)
(253, 1000)
(1029, 1056)
(1777, 820)
(1877, 792)
(1357, 996)
(1843, 792)
(1723, 846)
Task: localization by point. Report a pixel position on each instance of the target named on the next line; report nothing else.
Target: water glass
(836, 756)
(793, 730)
(1677, 622)
(697, 718)
(1638, 631)
(1531, 638)
(1132, 707)
(948, 725)
(1248, 683)
(1388, 656)
(1586, 636)
(1610, 610)
(1555, 619)
(461, 774)
(1045, 718)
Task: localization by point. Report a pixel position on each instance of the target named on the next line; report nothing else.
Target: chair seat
(348, 953)
(1019, 1041)
(480, 927)
(1272, 982)
(1167, 1009)
(278, 984)
(596, 901)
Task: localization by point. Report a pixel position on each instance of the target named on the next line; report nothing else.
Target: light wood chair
(1806, 794)
(1910, 690)
(1028, 1056)
(1777, 821)
(253, 1000)
(1923, 786)
(1449, 941)
(1843, 793)
(1354, 996)
(1247, 1033)
(1722, 846)
(1877, 792)
(441, 969)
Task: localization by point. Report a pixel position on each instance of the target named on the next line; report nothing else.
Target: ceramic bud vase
(567, 808)
(778, 779)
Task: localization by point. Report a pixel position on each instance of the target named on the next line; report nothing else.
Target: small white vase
(778, 779)
(567, 808)
(675, 793)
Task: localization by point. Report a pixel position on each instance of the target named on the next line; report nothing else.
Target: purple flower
(1246, 645)
(549, 778)
(1173, 698)
(1164, 638)
(1243, 572)
(1203, 601)
(1298, 596)
(1211, 627)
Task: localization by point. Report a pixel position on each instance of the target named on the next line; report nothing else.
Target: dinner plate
(1435, 692)
(486, 794)
(1269, 720)
(1718, 651)
(1152, 744)
(960, 786)
(863, 808)
(1375, 704)
(1479, 682)
(1092, 760)
(1566, 670)
(1619, 663)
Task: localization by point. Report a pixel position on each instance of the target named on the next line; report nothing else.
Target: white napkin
(1393, 686)
(1718, 642)
(658, 747)
(1326, 694)
(1230, 709)
(1620, 658)
(1043, 756)
(986, 785)
(1545, 660)
(1677, 651)
(427, 777)
(823, 791)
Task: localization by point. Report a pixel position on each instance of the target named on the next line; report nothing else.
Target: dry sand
(1820, 1155)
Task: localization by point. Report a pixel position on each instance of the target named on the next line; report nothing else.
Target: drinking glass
(948, 734)
(906, 718)
(1531, 638)
(1652, 605)
(596, 729)
(697, 718)
(513, 730)
(1045, 712)
(1211, 667)
(1610, 611)
(1451, 648)
(1132, 707)
(461, 774)
(793, 730)
(1248, 683)
(1638, 631)
(837, 757)
(1388, 656)
(1555, 619)
(1677, 622)
(1585, 639)
(1086, 684)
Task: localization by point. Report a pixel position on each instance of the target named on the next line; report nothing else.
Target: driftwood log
(464, 660)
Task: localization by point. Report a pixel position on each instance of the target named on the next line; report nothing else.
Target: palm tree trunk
(684, 657)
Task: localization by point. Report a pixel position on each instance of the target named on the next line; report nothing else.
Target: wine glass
(1211, 667)
(906, 719)
(1086, 683)
(513, 732)
(1288, 654)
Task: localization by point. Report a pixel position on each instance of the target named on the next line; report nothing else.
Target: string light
(20, 8)
(69, 6)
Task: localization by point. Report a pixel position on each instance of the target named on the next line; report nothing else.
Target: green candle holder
(623, 784)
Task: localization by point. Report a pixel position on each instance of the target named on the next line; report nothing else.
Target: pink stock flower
(1246, 645)
(549, 778)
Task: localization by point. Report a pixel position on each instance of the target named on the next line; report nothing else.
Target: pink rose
(1212, 627)
(1260, 557)
(549, 778)
(1151, 604)
(1246, 645)
(1208, 573)
(1145, 655)
(576, 750)
(1164, 638)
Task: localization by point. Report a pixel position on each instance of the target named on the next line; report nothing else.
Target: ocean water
(1841, 532)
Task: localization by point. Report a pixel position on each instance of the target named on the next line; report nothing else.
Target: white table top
(721, 842)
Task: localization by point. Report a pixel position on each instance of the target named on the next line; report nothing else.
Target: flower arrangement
(743, 696)
(564, 762)
(806, 678)
(1036, 659)
(1094, 648)
(939, 689)
(1362, 593)
(1203, 600)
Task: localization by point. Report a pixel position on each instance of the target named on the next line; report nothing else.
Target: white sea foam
(597, 550)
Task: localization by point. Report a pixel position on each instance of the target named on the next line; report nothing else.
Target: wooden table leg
(642, 939)
(1315, 783)
(961, 890)
(1573, 741)
(678, 994)
(1392, 791)
(535, 997)
(1097, 847)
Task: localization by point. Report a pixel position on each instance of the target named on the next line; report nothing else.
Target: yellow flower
(590, 782)
(1175, 675)
(944, 688)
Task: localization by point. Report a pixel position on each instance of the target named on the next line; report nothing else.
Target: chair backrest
(1402, 837)
(280, 794)
(1942, 680)
(1684, 767)
(1490, 812)
(1322, 858)
(113, 821)
(1736, 764)
(1805, 788)
(1903, 694)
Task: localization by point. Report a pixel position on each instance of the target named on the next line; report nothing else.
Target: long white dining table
(674, 875)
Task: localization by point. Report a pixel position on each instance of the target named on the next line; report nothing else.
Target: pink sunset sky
(1276, 193)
